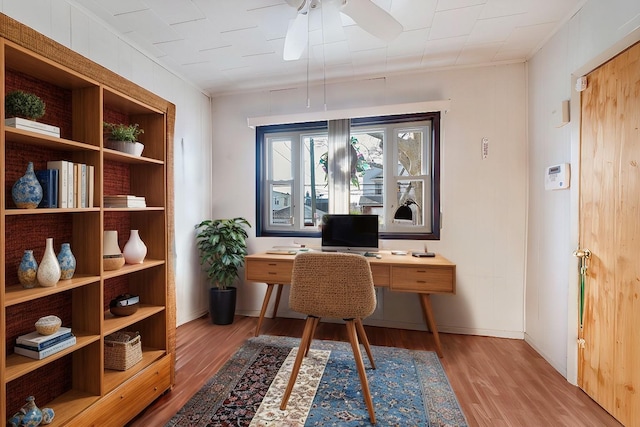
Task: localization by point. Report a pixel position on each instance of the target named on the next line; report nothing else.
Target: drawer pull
(272, 264)
(155, 389)
(422, 271)
(421, 281)
(271, 272)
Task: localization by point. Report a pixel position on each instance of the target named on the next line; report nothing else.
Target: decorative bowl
(48, 325)
(124, 305)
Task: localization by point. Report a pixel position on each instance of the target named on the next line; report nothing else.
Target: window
(388, 166)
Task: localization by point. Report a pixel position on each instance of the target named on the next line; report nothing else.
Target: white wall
(74, 29)
(597, 32)
(483, 201)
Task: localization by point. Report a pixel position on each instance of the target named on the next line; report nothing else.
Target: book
(71, 341)
(30, 125)
(76, 186)
(125, 204)
(90, 185)
(123, 197)
(35, 338)
(71, 179)
(48, 179)
(46, 344)
(62, 166)
(124, 201)
(83, 185)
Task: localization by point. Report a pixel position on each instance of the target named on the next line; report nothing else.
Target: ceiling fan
(366, 14)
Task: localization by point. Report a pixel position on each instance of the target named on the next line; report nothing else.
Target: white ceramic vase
(134, 250)
(112, 258)
(49, 269)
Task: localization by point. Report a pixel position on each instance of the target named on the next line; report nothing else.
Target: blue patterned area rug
(409, 388)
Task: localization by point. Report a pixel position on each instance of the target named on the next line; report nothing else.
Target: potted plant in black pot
(222, 244)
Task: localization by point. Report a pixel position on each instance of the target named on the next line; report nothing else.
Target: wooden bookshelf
(80, 95)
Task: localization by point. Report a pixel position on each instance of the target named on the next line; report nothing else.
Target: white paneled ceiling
(237, 45)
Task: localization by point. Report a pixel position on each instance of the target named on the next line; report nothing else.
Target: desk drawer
(380, 275)
(268, 271)
(432, 279)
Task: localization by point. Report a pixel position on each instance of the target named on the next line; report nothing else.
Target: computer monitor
(350, 233)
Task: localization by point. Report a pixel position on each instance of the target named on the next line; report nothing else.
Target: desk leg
(425, 300)
(275, 307)
(265, 303)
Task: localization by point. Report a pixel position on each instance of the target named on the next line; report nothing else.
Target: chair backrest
(335, 285)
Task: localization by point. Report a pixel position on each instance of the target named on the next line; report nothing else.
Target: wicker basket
(122, 350)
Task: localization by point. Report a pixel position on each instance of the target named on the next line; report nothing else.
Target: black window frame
(434, 117)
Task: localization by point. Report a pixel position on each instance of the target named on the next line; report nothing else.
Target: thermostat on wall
(557, 177)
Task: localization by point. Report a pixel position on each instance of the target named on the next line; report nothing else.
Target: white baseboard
(561, 369)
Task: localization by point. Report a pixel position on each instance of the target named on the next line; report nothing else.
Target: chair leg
(353, 339)
(316, 320)
(304, 343)
(365, 341)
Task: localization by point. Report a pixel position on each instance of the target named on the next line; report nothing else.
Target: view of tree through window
(294, 167)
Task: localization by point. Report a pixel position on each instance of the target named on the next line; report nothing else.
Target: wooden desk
(399, 273)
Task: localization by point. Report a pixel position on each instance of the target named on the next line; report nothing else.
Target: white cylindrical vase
(49, 269)
(134, 250)
(112, 258)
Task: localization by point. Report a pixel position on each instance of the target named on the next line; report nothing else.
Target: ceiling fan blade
(372, 18)
(295, 3)
(297, 35)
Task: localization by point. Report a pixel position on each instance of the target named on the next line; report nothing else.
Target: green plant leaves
(222, 246)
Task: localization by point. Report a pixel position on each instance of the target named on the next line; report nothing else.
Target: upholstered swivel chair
(334, 285)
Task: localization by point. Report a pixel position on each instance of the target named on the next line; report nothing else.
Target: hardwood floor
(498, 382)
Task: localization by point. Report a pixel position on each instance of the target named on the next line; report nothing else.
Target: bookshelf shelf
(80, 96)
(26, 137)
(18, 365)
(113, 378)
(114, 323)
(16, 294)
(128, 158)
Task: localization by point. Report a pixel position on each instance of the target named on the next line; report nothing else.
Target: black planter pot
(222, 305)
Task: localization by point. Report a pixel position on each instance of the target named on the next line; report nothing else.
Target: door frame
(574, 232)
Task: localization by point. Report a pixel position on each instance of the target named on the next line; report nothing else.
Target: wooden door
(609, 362)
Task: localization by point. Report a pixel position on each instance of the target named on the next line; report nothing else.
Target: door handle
(583, 255)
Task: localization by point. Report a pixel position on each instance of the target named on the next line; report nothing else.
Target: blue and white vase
(27, 191)
(48, 415)
(67, 262)
(32, 415)
(27, 270)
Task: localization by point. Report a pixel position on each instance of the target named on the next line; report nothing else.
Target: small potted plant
(123, 138)
(23, 105)
(222, 244)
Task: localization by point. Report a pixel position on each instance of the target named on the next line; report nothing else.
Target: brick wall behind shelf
(18, 157)
(58, 101)
(52, 380)
(116, 178)
(29, 232)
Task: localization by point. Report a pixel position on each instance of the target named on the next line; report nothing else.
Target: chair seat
(335, 285)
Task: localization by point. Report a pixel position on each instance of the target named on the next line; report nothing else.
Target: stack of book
(67, 184)
(37, 346)
(18, 123)
(124, 201)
